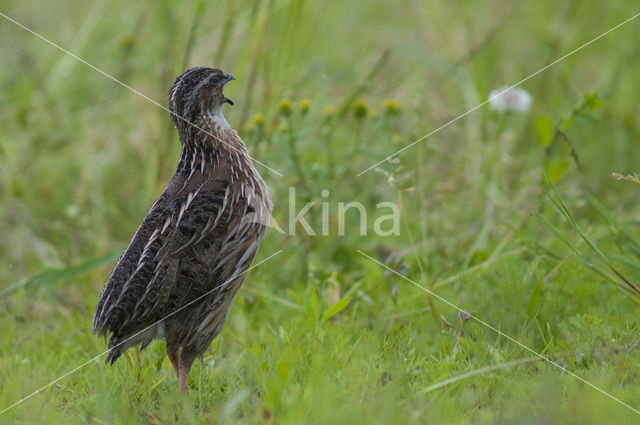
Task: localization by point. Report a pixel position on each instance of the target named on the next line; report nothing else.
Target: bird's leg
(185, 367)
(175, 362)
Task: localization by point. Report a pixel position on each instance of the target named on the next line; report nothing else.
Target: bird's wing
(144, 279)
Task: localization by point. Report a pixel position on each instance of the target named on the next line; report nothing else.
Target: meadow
(508, 296)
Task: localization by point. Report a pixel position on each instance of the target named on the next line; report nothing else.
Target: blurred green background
(325, 90)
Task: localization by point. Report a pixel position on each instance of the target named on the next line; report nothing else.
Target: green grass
(82, 158)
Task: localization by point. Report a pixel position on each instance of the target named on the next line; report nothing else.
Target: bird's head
(195, 92)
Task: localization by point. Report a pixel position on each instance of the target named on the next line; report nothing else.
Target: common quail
(181, 271)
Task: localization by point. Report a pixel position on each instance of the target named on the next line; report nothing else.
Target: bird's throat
(217, 119)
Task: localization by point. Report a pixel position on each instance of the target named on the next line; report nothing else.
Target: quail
(178, 276)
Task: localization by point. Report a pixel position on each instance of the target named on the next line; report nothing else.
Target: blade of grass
(478, 267)
(225, 32)
(632, 289)
(276, 298)
(197, 18)
(611, 219)
(476, 372)
(559, 203)
(601, 271)
(49, 276)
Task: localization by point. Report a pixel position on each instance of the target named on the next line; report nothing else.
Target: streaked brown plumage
(197, 240)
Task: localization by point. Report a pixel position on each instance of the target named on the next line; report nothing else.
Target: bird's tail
(119, 343)
(115, 350)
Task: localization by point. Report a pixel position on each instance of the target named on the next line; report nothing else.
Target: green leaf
(556, 168)
(336, 308)
(544, 127)
(592, 101)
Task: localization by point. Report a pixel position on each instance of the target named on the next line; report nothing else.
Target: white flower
(510, 99)
(72, 210)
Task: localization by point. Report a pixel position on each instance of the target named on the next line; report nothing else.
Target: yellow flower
(284, 106)
(391, 106)
(328, 110)
(304, 106)
(258, 119)
(360, 109)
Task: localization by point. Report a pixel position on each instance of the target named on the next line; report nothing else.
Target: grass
(324, 90)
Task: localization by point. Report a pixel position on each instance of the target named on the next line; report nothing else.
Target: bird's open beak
(228, 78)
